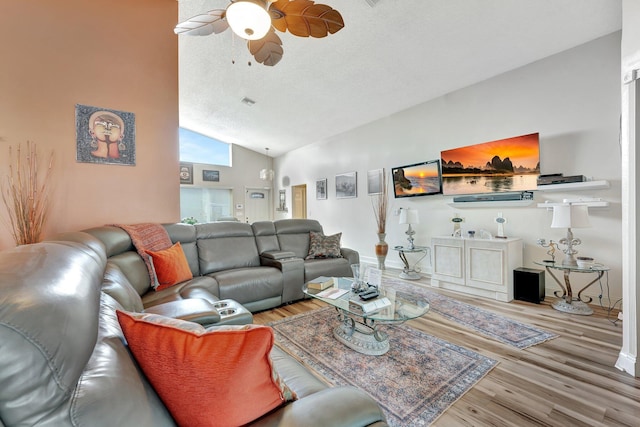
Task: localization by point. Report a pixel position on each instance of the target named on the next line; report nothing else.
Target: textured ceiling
(388, 58)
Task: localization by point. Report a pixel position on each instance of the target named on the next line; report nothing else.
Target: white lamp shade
(248, 20)
(409, 216)
(570, 216)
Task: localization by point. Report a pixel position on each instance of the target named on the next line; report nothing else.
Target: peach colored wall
(119, 55)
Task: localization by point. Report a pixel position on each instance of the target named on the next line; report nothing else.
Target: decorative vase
(381, 250)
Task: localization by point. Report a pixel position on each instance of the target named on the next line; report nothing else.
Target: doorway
(299, 197)
(257, 205)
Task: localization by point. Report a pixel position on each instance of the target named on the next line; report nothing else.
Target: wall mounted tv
(419, 179)
(506, 165)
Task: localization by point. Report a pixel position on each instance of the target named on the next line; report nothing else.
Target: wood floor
(568, 381)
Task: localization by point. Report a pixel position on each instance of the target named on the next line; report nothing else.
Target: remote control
(369, 295)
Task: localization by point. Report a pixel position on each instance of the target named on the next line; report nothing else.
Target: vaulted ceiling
(391, 55)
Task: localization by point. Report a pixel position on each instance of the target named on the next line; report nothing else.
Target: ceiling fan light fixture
(249, 19)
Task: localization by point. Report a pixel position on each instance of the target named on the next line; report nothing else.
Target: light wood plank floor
(568, 381)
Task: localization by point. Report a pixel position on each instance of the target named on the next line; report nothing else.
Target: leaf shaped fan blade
(203, 25)
(305, 18)
(267, 50)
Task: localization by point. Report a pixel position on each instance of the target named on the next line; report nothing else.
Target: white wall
(572, 99)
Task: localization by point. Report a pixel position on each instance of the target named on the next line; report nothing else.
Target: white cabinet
(482, 267)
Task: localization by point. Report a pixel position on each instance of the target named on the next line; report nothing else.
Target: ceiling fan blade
(268, 50)
(305, 18)
(203, 25)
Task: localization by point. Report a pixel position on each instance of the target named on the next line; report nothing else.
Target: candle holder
(552, 248)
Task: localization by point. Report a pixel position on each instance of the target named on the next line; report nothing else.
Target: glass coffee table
(359, 329)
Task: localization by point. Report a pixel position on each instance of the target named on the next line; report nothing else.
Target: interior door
(299, 197)
(257, 205)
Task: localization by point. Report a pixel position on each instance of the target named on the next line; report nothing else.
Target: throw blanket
(148, 237)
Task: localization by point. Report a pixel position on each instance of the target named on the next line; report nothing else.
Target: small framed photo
(211, 176)
(186, 173)
(346, 185)
(375, 181)
(321, 189)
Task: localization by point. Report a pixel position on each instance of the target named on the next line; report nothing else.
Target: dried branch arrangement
(380, 204)
(25, 196)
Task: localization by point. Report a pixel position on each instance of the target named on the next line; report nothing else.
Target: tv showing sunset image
(419, 179)
(511, 164)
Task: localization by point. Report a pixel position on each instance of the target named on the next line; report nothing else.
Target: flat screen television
(418, 179)
(505, 165)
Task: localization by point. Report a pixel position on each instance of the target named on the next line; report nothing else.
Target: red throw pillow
(218, 377)
(171, 266)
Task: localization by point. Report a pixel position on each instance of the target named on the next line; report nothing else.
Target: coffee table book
(369, 307)
(320, 283)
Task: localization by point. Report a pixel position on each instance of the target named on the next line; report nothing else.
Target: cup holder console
(221, 304)
(227, 312)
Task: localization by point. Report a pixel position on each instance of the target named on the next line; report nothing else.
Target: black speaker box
(528, 284)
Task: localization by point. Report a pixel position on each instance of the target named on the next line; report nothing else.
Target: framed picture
(186, 173)
(346, 185)
(105, 136)
(212, 176)
(321, 189)
(374, 181)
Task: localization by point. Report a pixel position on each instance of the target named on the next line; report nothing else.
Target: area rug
(495, 326)
(414, 382)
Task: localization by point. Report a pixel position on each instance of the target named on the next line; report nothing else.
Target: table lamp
(570, 216)
(409, 216)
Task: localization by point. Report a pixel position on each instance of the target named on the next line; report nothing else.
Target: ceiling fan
(257, 20)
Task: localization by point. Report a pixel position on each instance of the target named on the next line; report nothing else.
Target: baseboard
(627, 363)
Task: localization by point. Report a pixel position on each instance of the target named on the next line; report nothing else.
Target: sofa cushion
(337, 267)
(221, 376)
(225, 246)
(249, 284)
(186, 235)
(321, 246)
(171, 266)
(293, 234)
(116, 284)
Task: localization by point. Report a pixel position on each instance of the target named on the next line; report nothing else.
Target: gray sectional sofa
(64, 360)
(261, 266)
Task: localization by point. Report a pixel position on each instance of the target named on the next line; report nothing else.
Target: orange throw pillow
(171, 266)
(217, 377)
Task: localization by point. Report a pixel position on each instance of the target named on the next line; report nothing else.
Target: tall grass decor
(380, 204)
(25, 194)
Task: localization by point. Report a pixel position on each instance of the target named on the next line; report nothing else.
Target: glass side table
(566, 301)
(409, 272)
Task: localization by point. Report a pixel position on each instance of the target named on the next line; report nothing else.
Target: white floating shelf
(591, 204)
(491, 204)
(584, 185)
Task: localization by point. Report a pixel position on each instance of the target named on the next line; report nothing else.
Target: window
(205, 204)
(198, 148)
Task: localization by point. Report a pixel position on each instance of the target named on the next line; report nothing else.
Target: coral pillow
(321, 246)
(217, 377)
(171, 266)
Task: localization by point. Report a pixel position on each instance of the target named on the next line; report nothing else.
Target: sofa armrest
(277, 254)
(292, 276)
(193, 309)
(351, 255)
(335, 407)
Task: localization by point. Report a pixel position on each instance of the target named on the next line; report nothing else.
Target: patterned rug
(414, 382)
(500, 328)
